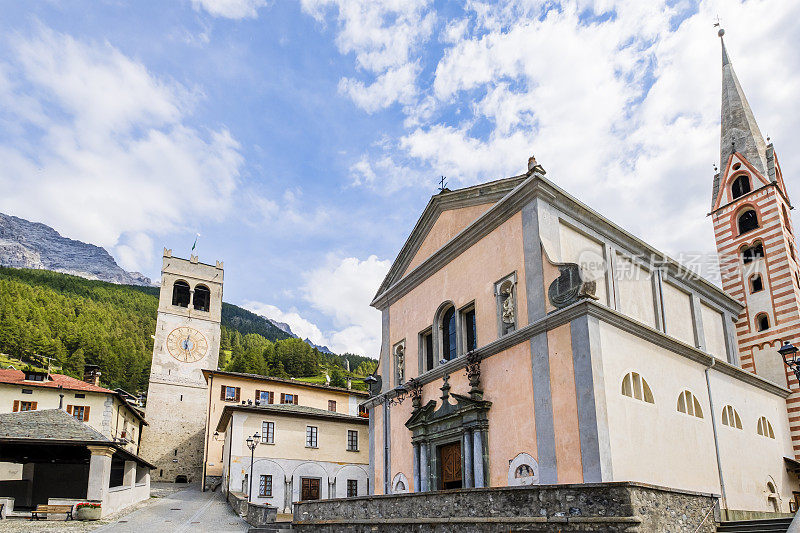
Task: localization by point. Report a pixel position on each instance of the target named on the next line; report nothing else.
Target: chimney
(91, 374)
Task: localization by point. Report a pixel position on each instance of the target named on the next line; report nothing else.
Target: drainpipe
(716, 436)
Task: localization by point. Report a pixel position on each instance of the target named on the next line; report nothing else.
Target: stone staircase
(770, 525)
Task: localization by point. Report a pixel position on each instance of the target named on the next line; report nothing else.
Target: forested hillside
(77, 322)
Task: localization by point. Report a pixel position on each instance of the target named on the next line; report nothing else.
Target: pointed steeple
(739, 131)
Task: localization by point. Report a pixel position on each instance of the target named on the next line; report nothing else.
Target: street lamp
(789, 353)
(252, 442)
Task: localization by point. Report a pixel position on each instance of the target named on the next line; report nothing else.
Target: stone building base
(612, 507)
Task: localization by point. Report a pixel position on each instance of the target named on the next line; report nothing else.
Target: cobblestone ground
(170, 509)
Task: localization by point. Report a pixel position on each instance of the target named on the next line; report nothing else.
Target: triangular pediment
(446, 215)
(736, 165)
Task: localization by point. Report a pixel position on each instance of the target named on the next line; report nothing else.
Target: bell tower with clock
(186, 341)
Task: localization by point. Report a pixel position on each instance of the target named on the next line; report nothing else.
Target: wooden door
(310, 488)
(450, 459)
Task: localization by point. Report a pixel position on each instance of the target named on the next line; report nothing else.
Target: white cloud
(618, 99)
(231, 9)
(343, 290)
(91, 131)
(384, 35)
(301, 327)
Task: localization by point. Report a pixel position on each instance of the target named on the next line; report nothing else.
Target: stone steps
(771, 525)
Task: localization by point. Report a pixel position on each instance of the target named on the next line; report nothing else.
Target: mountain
(25, 244)
(283, 326)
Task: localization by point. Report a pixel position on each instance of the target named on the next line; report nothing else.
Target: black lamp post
(252, 442)
(789, 353)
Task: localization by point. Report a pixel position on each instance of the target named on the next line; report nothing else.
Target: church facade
(526, 339)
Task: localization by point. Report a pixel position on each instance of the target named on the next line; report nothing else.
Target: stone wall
(255, 514)
(612, 507)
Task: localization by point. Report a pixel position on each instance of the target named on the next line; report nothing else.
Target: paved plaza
(171, 509)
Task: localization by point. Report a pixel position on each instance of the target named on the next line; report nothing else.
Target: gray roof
(47, 424)
(739, 131)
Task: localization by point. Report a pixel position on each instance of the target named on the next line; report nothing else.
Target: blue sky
(303, 139)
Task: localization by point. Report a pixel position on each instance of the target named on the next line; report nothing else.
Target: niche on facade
(523, 470)
(505, 292)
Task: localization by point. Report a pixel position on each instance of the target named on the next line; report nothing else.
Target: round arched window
(747, 221)
(741, 186)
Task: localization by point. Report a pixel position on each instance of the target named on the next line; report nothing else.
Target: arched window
(741, 186)
(180, 294)
(202, 298)
(791, 251)
(747, 221)
(687, 403)
(765, 428)
(730, 417)
(449, 337)
(400, 486)
(752, 253)
(762, 322)
(756, 284)
(634, 386)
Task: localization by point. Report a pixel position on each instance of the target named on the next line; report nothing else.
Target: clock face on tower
(186, 344)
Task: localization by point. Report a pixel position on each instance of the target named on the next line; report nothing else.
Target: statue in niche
(507, 290)
(399, 355)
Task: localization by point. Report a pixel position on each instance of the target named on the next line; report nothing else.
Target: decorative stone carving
(569, 286)
(508, 304)
(415, 391)
(400, 361)
(473, 371)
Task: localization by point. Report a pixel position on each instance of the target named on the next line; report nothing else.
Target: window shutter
(69, 409)
(222, 392)
(258, 395)
(283, 397)
(86, 414)
(33, 405)
(16, 405)
(295, 399)
(271, 397)
(238, 391)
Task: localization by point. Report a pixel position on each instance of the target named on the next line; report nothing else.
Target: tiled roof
(287, 409)
(297, 382)
(47, 424)
(17, 377)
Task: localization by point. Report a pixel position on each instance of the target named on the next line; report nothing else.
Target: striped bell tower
(755, 241)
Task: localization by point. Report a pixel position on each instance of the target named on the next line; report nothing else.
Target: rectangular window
(265, 487)
(311, 436)
(268, 432)
(230, 394)
(363, 411)
(426, 347)
(289, 398)
(27, 406)
(27, 391)
(332, 405)
(79, 412)
(468, 326)
(80, 395)
(352, 488)
(264, 397)
(352, 440)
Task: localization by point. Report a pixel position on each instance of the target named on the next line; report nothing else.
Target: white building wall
(654, 443)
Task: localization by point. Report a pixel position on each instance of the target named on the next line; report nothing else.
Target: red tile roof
(17, 377)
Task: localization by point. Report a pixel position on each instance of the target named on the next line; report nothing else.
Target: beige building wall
(587, 253)
(713, 332)
(635, 290)
(447, 226)
(107, 413)
(346, 403)
(468, 278)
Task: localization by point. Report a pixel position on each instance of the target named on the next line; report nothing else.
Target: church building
(527, 339)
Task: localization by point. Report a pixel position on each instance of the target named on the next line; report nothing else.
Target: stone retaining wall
(612, 507)
(255, 514)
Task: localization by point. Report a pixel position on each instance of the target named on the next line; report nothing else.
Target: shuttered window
(229, 394)
(264, 397)
(79, 412)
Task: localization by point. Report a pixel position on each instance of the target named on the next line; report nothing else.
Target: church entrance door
(450, 459)
(310, 488)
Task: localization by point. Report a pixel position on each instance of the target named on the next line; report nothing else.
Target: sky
(303, 139)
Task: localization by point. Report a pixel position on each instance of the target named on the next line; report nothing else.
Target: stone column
(287, 495)
(129, 479)
(477, 457)
(416, 468)
(424, 467)
(468, 462)
(99, 472)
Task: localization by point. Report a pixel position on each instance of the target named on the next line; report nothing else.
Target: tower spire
(739, 131)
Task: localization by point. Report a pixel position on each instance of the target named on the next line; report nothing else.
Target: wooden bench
(51, 509)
